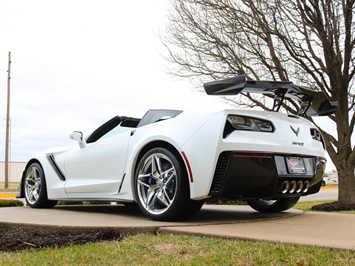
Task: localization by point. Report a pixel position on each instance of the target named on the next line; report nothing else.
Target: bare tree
(309, 42)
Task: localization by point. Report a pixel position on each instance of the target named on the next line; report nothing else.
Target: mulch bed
(33, 240)
(333, 206)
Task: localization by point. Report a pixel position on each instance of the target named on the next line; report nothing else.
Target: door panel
(97, 168)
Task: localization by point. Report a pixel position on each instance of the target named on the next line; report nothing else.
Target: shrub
(10, 203)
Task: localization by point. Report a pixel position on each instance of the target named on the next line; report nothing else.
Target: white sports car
(170, 161)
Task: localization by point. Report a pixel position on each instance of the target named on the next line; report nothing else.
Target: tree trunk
(346, 179)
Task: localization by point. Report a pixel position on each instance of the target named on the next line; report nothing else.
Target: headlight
(250, 123)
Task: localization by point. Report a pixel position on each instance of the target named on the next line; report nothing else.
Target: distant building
(15, 171)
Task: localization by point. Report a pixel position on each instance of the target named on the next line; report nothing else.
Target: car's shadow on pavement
(209, 214)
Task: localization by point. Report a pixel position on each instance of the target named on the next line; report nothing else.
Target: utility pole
(7, 141)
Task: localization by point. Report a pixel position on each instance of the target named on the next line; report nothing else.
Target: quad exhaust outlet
(295, 186)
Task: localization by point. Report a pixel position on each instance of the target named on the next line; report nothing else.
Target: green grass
(307, 205)
(146, 249)
(181, 250)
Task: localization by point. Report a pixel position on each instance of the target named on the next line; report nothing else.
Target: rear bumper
(244, 175)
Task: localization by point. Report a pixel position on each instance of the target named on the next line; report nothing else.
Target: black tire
(161, 187)
(270, 206)
(35, 188)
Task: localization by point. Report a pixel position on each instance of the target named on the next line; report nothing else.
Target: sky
(76, 64)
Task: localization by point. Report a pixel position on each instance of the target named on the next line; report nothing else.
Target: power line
(73, 89)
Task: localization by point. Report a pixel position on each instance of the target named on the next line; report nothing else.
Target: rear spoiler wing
(313, 103)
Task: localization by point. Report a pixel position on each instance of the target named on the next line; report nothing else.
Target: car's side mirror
(78, 136)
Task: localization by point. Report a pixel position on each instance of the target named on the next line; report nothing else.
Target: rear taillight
(316, 135)
(250, 123)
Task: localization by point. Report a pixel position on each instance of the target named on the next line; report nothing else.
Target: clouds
(76, 64)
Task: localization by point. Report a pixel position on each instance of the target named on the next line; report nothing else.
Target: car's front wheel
(278, 205)
(161, 187)
(35, 188)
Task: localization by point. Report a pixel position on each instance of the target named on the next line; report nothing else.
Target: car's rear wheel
(35, 188)
(161, 187)
(278, 205)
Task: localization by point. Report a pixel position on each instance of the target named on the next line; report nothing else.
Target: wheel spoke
(35, 195)
(155, 164)
(151, 196)
(165, 198)
(142, 178)
(34, 173)
(29, 185)
(169, 175)
(30, 194)
(157, 167)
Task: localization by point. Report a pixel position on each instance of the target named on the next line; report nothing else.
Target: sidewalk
(225, 221)
(311, 228)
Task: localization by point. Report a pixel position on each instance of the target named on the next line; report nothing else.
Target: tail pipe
(293, 186)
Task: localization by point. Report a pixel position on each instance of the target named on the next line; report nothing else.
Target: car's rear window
(153, 116)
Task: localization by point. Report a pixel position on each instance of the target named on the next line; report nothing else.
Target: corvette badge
(296, 131)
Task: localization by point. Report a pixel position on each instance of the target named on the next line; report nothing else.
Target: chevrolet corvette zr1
(169, 162)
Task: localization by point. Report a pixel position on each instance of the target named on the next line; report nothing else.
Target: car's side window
(115, 131)
(115, 126)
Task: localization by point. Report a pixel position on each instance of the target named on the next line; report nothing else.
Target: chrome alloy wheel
(157, 183)
(33, 184)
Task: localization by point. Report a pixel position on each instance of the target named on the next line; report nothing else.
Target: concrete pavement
(226, 221)
(311, 228)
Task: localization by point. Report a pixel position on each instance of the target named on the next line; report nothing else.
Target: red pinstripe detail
(188, 166)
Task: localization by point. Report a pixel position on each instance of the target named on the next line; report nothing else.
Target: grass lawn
(147, 249)
(181, 250)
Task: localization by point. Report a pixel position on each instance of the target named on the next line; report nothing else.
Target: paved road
(326, 193)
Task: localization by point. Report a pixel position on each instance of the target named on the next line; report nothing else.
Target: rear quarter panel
(177, 132)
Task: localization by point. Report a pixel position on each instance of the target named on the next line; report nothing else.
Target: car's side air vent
(219, 173)
(228, 129)
(316, 135)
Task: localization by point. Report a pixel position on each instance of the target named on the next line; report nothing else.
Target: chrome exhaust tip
(307, 184)
(285, 187)
(293, 186)
(299, 186)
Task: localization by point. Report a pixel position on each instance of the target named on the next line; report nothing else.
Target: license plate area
(295, 165)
